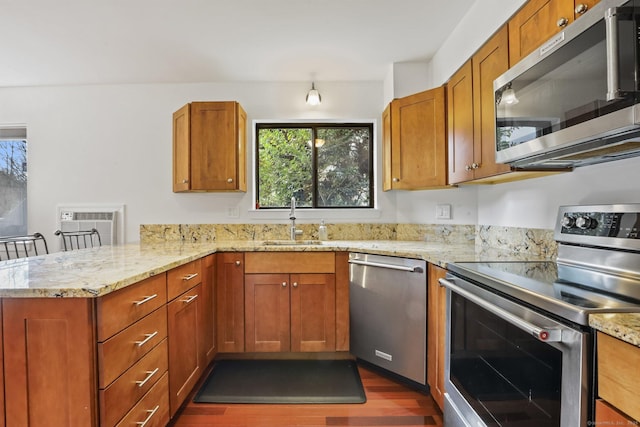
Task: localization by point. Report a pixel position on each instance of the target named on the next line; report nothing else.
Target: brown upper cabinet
(414, 142)
(209, 147)
(539, 20)
(471, 113)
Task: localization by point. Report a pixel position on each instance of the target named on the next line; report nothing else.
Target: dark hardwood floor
(389, 403)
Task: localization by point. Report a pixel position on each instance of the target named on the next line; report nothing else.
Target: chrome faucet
(293, 231)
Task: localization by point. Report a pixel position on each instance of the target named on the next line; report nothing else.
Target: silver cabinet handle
(542, 334)
(151, 412)
(149, 375)
(237, 262)
(389, 266)
(467, 167)
(185, 181)
(562, 22)
(284, 284)
(229, 180)
(189, 276)
(145, 299)
(189, 299)
(147, 338)
(581, 8)
(396, 179)
(295, 284)
(475, 165)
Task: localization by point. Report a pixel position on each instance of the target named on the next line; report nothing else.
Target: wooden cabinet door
(387, 183)
(487, 64)
(535, 23)
(267, 313)
(460, 124)
(208, 345)
(436, 334)
(230, 302)
(215, 147)
(50, 372)
(313, 312)
(185, 366)
(418, 141)
(181, 149)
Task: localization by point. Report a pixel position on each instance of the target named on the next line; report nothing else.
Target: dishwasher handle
(415, 269)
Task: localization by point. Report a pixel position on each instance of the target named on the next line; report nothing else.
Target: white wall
(112, 144)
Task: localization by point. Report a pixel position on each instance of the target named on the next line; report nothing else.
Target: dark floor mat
(282, 381)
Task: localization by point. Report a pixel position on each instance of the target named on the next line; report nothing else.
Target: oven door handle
(542, 334)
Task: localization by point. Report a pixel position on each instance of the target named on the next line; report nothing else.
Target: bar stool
(81, 239)
(12, 247)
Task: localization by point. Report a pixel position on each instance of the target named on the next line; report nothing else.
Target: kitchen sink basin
(291, 242)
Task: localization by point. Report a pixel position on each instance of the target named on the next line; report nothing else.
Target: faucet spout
(293, 231)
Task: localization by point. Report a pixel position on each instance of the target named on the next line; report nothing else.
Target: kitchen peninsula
(69, 320)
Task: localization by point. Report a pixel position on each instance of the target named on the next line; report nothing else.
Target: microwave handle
(611, 25)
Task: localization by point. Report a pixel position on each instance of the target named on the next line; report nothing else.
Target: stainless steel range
(520, 351)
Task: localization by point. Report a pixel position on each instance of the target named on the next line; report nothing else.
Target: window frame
(314, 126)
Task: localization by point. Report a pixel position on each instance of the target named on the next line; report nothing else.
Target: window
(13, 181)
(321, 165)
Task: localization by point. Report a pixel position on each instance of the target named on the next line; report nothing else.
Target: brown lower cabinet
(49, 374)
(184, 316)
(126, 358)
(436, 333)
(290, 312)
(618, 379)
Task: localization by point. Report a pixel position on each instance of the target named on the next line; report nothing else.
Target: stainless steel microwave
(575, 100)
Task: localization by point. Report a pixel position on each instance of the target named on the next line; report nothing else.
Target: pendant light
(313, 97)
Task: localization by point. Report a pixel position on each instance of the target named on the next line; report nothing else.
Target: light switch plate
(443, 211)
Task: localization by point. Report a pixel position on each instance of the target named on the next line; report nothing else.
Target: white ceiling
(45, 42)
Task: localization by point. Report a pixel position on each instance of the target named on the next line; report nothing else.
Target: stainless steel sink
(291, 242)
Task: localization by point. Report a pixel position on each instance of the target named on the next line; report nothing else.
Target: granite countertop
(624, 326)
(99, 271)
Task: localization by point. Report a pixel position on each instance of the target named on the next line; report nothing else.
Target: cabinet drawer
(183, 278)
(121, 308)
(119, 352)
(152, 408)
(619, 374)
(290, 262)
(123, 394)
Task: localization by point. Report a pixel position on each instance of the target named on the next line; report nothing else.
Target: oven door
(507, 365)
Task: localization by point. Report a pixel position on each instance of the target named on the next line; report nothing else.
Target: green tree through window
(321, 165)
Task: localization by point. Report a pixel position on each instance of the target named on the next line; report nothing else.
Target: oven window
(507, 376)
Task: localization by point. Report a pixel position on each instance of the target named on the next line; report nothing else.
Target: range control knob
(586, 222)
(568, 222)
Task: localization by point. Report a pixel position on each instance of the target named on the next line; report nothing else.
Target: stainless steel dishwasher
(388, 312)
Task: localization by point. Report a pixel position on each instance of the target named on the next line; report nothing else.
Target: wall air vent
(108, 220)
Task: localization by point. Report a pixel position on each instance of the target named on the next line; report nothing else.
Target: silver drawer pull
(149, 375)
(145, 299)
(189, 299)
(151, 412)
(189, 276)
(148, 337)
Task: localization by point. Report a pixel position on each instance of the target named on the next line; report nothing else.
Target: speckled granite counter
(95, 272)
(622, 326)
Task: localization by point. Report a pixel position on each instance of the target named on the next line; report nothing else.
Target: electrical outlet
(443, 211)
(233, 212)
